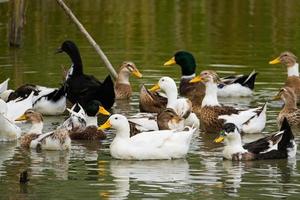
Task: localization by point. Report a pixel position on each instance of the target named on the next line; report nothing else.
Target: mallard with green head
(234, 85)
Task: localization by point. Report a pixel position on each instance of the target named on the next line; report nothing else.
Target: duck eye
(116, 118)
(162, 80)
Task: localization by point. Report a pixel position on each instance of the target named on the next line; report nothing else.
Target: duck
(289, 60)
(231, 86)
(165, 144)
(82, 88)
(213, 115)
(123, 88)
(90, 132)
(280, 145)
(46, 100)
(289, 110)
(151, 102)
(9, 131)
(181, 106)
(58, 139)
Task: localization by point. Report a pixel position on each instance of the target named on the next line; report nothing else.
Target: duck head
(207, 76)
(230, 134)
(185, 60)
(31, 116)
(287, 95)
(117, 122)
(94, 108)
(286, 58)
(71, 49)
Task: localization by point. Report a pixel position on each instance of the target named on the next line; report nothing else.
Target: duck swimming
(152, 102)
(234, 85)
(279, 145)
(289, 60)
(82, 88)
(166, 144)
(289, 110)
(212, 114)
(90, 131)
(122, 85)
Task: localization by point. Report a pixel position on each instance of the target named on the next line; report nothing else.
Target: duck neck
(172, 95)
(37, 127)
(290, 104)
(188, 76)
(234, 141)
(210, 98)
(76, 68)
(123, 132)
(293, 70)
(91, 121)
(123, 76)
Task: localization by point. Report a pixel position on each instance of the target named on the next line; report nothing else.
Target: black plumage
(82, 88)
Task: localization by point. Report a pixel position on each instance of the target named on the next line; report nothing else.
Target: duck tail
(247, 80)
(108, 93)
(287, 140)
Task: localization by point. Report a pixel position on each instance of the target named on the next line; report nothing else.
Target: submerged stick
(89, 37)
(17, 20)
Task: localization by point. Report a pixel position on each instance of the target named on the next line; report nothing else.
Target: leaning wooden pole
(17, 20)
(89, 38)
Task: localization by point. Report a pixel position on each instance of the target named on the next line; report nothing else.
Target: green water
(231, 36)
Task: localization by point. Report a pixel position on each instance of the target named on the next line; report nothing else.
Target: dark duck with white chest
(82, 88)
(234, 85)
(279, 145)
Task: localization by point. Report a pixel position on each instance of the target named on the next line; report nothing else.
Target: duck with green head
(237, 85)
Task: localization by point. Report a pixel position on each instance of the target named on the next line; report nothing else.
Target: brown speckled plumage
(60, 134)
(208, 116)
(193, 91)
(289, 110)
(293, 82)
(168, 116)
(122, 91)
(151, 101)
(26, 139)
(89, 133)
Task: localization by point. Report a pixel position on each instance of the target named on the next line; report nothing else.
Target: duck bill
(103, 111)
(170, 62)
(196, 79)
(59, 50)
(219, 139)
(276, 98)
(21, 118)
(275, 61)
(137, 74)
(154, 88)
(104, 126)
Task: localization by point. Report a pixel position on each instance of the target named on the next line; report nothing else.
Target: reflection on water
(227, 36)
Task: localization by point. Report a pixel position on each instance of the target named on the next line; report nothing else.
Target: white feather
(234, 90)
(4, 86)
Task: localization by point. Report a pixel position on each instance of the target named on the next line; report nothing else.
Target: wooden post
(89, 38)
(17, 20)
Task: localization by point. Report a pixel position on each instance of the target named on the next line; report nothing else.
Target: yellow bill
(170, 62)
(277, 97)
(275, 61)
(154, 88)
(196, 79)
(137, 74)
(106, 125)
(219, 139)
(103, 111)
(21, 118)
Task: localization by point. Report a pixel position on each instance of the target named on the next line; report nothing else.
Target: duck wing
(106, 93)
(4, 85)
(151, 101)
(244, 80)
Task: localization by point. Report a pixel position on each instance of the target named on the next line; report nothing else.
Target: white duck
(166, 144)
